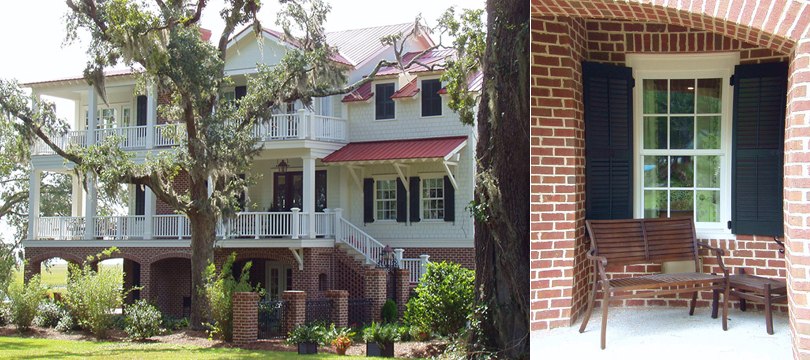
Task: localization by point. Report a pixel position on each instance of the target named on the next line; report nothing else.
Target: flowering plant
(341, 344)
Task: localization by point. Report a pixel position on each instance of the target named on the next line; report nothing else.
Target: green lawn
(55, 276)
(30, 348)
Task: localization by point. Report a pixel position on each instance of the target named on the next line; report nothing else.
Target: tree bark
(203, 234)
(503, 185)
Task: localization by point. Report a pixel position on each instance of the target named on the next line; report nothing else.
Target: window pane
(708, 206)
(682, 171)
(708, 96)
(708, 171)
(655, 96)
(681, 203)
(681, 133)
(655, 132)
(655, 171)
(655, 203)
(708, 132)
(682, 96)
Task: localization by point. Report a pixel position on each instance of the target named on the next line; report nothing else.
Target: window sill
(715, 234)
(385, 120)
(431, 116)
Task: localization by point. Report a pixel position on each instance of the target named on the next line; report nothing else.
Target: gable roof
(358, 45)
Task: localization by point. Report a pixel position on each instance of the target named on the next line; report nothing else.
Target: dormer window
(383, 103)
(431, 100)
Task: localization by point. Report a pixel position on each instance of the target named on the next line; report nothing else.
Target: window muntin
(681, 148)
(431, 99)
(385, 199)
(383, 104)
(433, 199)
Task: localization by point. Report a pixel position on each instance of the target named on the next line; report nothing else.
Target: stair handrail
(360, 241)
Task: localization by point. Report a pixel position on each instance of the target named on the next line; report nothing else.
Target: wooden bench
(644, 241)
(755, 288)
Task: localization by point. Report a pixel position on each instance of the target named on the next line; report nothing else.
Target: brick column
(245, 317)
(340, 307)
(295, 311)
(30, 269)
(375, 292)
(797, 195)
(558, 267)
(146, 282)
(403, 289)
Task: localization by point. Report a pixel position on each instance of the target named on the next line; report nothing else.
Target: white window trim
(675, 66)
(385, 178)
(422, 198)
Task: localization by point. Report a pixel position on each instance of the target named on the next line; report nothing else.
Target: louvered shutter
(402, 202)
(140, 110)
(415, 198)
(449, 200)
(239, 92)
(140, 200)
(608, 99)
(758, 148)
(368, 200)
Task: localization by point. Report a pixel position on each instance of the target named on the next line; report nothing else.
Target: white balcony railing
(170, 227)
(329, 128)
(71, 138)
(131, 137)
(168, 134)
(119, 227)
(60, 228)
(414, 266)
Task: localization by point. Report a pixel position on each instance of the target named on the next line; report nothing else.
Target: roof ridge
(368, 27)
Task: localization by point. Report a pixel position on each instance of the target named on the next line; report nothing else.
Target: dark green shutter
(239, 92)
(608, 97)
(140, 110)
(415, 205)
(402, 202)
(757, 156)
(368, 200)
(449, 200)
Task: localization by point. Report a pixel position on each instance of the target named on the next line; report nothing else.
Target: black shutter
(383, 104)
(431, 99)
(415, 205)
(449, 200)
(757, 158)
(140, 110)
(608, 98)
(368, 200)
(140, 200)
(239, 92)
(402, 202)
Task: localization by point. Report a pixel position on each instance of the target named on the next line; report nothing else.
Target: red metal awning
(396, 150)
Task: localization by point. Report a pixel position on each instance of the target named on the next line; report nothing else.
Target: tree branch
(12, 201)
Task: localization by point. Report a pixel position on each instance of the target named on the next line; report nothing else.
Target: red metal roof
(362, 93)
(433, 148)
(409, 90)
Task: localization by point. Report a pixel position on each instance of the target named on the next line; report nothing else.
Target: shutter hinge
(731, 83)
(729, 224)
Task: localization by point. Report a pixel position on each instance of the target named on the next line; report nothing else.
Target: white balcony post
(309, 193)
(180, 228)
(92, 103)
(398, 254)
(33, 202)
(149, 213)
(256, 224)
(338, 217)
(90, 204)
(423, 261)
(151, 114)
(295, 222)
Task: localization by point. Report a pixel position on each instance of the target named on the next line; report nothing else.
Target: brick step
(354, 254)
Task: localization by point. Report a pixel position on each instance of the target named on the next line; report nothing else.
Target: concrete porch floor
(668, 333)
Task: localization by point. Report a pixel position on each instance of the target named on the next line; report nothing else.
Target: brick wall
(181, 185)
(170, 286)
(245, 317)
(348, 274)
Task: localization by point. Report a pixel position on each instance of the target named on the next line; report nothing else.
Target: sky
(32, 33)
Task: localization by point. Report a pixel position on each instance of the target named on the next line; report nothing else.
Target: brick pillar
(30, 269)
(559, 270)
(797, 194)
(295, 311)
(375, 292)
(340, 307)
(403, 289)
(245, 317)
(146, 283)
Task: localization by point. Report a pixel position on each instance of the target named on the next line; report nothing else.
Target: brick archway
(557, 165)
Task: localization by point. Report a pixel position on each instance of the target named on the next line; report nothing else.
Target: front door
(279, 279)
(288, 190)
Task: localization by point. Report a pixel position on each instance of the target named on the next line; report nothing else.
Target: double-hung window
(385, 199)
(433, 199)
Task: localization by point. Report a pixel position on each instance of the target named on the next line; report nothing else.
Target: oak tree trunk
(502, 186)
(203, 234)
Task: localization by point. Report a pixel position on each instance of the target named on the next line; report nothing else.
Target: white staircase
(357, 243)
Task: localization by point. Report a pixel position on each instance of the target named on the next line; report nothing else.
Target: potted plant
(340, 338)
(307, 337)
(380, 339)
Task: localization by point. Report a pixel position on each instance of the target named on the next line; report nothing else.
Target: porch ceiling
(773, 24)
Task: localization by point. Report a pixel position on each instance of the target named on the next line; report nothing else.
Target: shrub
(389, 311)
(93, 296)
(404, 332)
(381, 333)
(25, 299)
(142, 320)
(173, 324)
(218, 290)
(443, 300)
(313, 333)
(5, 314)
(48, 314)
(66, 323)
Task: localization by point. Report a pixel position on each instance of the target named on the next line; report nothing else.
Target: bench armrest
(718, 253)
(600, 263)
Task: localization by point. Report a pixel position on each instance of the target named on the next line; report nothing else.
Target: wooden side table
(755, 288)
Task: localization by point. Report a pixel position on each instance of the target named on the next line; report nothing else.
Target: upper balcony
(302, 125)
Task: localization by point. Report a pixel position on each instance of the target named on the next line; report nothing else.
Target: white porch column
(33, 202)
(76, 196)
(338, 224)
(149, 213)
(309, 193)
(398, 255)
(92, 104)
(151, 114)
(90, 205)
(423, 261)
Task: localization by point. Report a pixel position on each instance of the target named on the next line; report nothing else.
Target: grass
(30, 348)
(55, 276)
